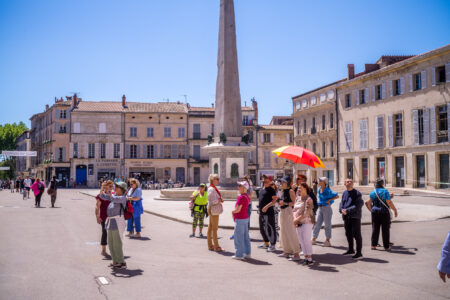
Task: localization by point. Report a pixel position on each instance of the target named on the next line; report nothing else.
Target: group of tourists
(118, 205)
(298, 210)
(36, 185)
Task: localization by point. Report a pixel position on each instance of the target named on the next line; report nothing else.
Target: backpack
(127, 210)
(40, 187)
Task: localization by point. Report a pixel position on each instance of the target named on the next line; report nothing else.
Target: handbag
(385, 205)
(216, 209)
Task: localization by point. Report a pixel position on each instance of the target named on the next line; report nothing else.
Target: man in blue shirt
(444, 264)
(350, 208)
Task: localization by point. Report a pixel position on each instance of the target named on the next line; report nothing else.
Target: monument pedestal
(229, 161)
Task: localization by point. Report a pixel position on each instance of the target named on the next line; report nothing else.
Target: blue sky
(153, 50)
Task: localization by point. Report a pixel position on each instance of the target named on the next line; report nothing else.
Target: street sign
(19, 153)
(4, 168)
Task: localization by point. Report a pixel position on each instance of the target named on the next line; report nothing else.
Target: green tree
(8, 136)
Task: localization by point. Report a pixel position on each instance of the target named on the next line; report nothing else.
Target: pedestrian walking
(101, 214)
(379, 205)
(52, 190)
(288, 236)
(350, 208)
(38, 188)
(267, 199)
(134, 195)
(199, 200)
(215, 208)
(304, 219)
(241, 219)
(115, 222)
(325, 212)
(27, 184)
(444, 263)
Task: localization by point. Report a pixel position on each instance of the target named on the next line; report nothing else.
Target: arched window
(216, 168)
(234, 170)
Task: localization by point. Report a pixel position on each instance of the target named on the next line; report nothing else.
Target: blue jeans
(324, 215)
(137, 223)
(241, 237)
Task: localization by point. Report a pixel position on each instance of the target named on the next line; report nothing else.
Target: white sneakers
(327, 244)
(271, 248)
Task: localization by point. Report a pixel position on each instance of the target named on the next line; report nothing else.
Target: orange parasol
(299, 155)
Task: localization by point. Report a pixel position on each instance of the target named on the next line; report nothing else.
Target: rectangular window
(396, 87)
(102, 128)
(62, 128)
(167, 132)
(348, 136)
(245, 120)
(378, 92)
(196, 132)
(420, 126)
(90, 170)
(331, 121)
(266, 138)
(266, 159)
(324, 149)
(181, 132)
(304, 126)
(398, 130)
(380, 132)
(250, 136)
(60, 154)
(332, 148)
(362, 96)
(91, 150)
(417, 81)
(348, 101)
(314, 148)
(133, 151)
(363, 134)
(196, 152)
(298, 127)
(133, 132)
(116, 150)
(181, 151)
(75, 150)
(167, 151)
(150, 132)
(63, 114)
(444, 170)
(440, 74)
(212, 130)
(323, 122)
(102, 150)
(313, 125)
(150, 151)
(442, 124)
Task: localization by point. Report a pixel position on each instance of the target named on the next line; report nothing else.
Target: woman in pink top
(38, 188)
(304, 220)
(241, 219)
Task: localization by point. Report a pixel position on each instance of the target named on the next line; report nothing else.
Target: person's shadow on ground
(339, 259)
(127, 273)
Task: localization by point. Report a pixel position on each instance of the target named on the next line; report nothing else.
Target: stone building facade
(23, 164)
(315, 129)
(50, 136)
(393, 121)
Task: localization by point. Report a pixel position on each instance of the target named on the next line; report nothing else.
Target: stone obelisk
(228, 155)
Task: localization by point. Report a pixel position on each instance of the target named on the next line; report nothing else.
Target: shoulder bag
(385, 205)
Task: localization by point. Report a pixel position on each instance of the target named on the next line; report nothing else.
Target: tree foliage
(9, 133)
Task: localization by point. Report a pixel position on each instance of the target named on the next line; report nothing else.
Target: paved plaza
(54, 254)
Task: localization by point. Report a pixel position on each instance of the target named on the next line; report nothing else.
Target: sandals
(218, 249)
(211, 248)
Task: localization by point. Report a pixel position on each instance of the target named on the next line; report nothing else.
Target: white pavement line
(103, 280)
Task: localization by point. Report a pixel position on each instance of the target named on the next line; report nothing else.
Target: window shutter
(56, 113)
(383, 90)
(56, 127)
(348, 136)
(447, 73)
(415, 119)
(64, 154)
(373, 93)
(138, 151)
(86, 150)
(174, 153)
(424, 79)
(68, 114)
(127, 151)
(287, 138)
(161, 151)
(448, 120)
(379, 132)
(366, 95)
(357, 97)
(390, 88)
(426, 126)
(390, 131)
(70, 150)
(433, 76)
(261, 137)
(271, 137)
(402, 85)
(432, 125)
(362, 135)
(410, 83)
(97, 150)
(187, 152)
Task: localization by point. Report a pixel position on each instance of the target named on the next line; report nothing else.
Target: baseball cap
(202, 185)
(244, 184)
(270, 177)
(122, 185)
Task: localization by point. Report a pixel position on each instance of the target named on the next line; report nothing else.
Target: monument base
(229, 161)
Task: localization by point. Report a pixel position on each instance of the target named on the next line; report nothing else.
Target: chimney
(212, 105)
(350, 71)
(245, 103)
(61, 100)
(75, 99)
(124, 101)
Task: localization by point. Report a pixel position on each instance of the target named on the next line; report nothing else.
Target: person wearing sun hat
(115, 222)
(241, 219)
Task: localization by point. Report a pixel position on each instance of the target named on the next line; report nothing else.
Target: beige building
(49, 136)
(315, 129)
(23, 164)
(393, 121)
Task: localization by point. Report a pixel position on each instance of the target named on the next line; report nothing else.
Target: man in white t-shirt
(27, 183)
